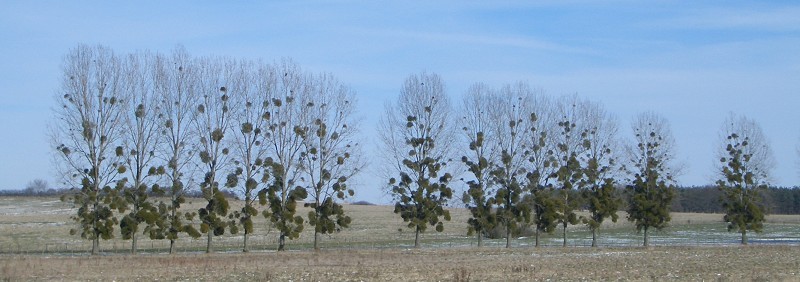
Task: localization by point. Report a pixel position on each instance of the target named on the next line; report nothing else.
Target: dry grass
(41, 225)
(764, 263)
(36, 245)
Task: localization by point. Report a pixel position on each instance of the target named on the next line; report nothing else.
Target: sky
(693, 62)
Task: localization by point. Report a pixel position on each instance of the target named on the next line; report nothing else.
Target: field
(36, 245)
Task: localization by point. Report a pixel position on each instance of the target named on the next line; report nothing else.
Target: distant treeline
(696, 199)
(706, 199)
(62, 191)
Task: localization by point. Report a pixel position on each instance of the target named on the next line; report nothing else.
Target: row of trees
(132, 125)
(135, 124)
(533, 161)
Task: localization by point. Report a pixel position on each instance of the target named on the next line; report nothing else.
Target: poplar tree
(478, 198)
(542, 164)
(86, 135)
(330, 153)
(174, 82)
(570, 143)
(284, 142)
(212, 121)
(511, 112)
(251, 116)
(545, 207)
(744, 171)
(140, 142)
(653, 185)
(600, 168)
(417, 133)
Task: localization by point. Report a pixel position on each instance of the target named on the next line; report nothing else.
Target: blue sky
(693, 62)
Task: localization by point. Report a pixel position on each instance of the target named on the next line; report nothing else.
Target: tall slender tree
(653, 185)
(250, 152)
(87, 133)
(541, 165)
(285, 143)
(218, 80)
(744, 170)
(571, 143)
(511, 113)
(174, 82)
(416, 132)
(600, 168)
(330, 153)
(140, 141)
(479, 137)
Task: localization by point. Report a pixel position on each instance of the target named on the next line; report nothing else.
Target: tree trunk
(95, 244)
(416, 238)
(537, 237)
(96, 239)
(208, 244)
(594, 237)
(565, 235)
(480, 238)
(171, 246)
(281, 242)
(646, 238)
(316, 240)
(744, 237)
(244, 248)
(133, 243)
(508, 236)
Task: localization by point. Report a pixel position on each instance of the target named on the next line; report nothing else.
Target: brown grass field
(35, 245)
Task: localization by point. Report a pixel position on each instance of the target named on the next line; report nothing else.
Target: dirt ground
(732, 263)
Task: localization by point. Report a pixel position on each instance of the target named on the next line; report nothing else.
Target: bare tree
(140, 140)
(174, 83)
(330, 153)
(36, 186)
(251, 110)
(652, 158)
(542, 164)
(570, 144)
(601, 168)
(87, 134)
(285, 121)
(745, 164)
(219, 80)
(479, 138)
(416, 133)
(512, 112)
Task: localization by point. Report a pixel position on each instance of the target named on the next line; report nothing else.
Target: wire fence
(267, 244)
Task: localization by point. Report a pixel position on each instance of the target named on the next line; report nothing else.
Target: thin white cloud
(478, 39)
(771, 19)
